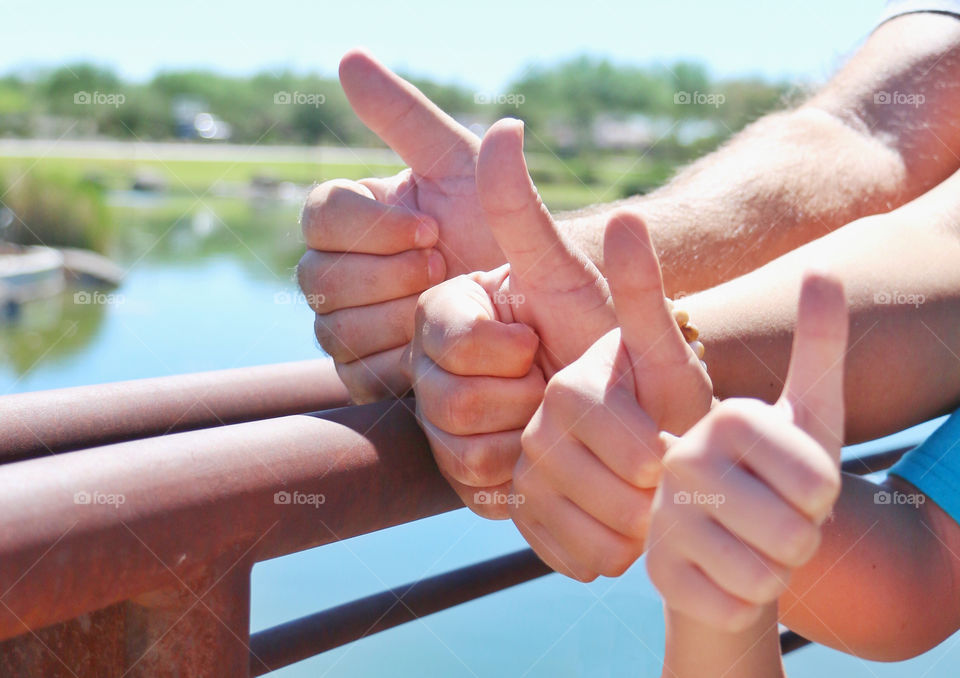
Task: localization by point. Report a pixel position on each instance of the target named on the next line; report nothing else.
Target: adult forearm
(903, 286)
(773, 188)
(880, 133)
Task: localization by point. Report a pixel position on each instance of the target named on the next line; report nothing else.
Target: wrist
(697, 649)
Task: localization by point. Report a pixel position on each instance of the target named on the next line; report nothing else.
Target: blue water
(220, 313)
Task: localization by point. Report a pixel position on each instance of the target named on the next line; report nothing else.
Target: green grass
(188, 176)
(565, 184)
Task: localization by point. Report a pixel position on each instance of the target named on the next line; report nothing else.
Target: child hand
(744, 492)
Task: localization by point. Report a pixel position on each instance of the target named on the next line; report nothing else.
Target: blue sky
(479, 44)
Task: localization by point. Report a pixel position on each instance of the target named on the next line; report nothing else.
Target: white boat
(28, 273)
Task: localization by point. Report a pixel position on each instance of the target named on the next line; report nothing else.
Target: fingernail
(426, 233)
(698, 348)
(436, 267)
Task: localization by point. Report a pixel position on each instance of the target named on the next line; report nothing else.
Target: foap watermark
(514, 99)
(887, 498)
(486, 498)
(501, 297)
(97, 298)
(314, 99)
(96, 498)
(714, 99)
(899, 98)
(114, 99)
(284, 298)
(896, 298)
(297, 498)
(699, 498)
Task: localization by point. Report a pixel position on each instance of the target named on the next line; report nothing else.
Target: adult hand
(375, 244)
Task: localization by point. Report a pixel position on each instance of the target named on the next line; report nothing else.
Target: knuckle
(314, 278)
(488, 511)
(313, 217)
(797, 542)
(655, 569)
(362, 386)
(412, 272)
(616, 558)
(634, 519)
(335, 337)
(534, 444)
(321, 208)
(662, 571)
(451, 350)
(309, 213)
(762, 582)
(523, 485)
(822, 489)
(325, 337)
(728, 422)
(562, 393)
(483, 462)
(584, 576)
(306, 271)
(684, 463)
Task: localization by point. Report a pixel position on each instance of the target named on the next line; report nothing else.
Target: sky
(477, 44)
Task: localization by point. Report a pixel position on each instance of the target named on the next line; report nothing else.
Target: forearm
(881, 585)
(770, 190)
(794, 176)
(903, 287)
(695, 650)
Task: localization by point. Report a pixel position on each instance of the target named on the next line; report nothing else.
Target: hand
(483, 343)
(476, 385)
(591, 454)
(744, 492)
(375, 244)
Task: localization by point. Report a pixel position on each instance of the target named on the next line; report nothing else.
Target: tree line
(295, 108)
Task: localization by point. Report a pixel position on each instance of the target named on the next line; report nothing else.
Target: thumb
(813, 391)
(647, 325)
(538, 254)
(431, 142)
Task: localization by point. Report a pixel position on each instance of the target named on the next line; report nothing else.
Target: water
(210, 287)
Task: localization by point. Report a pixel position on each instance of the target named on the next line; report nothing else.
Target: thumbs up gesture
(375, 244)
(485, 343)
(744, 492)
(591, 454)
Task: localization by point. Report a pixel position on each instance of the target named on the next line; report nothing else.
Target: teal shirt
(933, 467)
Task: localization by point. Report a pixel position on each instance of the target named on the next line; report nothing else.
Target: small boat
(85, 268)
(28, 273)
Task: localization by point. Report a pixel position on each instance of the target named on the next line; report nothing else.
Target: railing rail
(44, 422)
(133, 558)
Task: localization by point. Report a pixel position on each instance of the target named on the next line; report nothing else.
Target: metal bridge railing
(130, 555)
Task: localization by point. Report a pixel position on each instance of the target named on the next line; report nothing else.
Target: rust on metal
(46, 422)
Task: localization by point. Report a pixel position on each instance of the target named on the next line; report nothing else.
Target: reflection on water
(200, 292)
(48, 329)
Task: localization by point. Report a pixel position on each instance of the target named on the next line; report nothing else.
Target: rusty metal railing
(133, 558)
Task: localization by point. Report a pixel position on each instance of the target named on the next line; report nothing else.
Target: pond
(210, 286)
